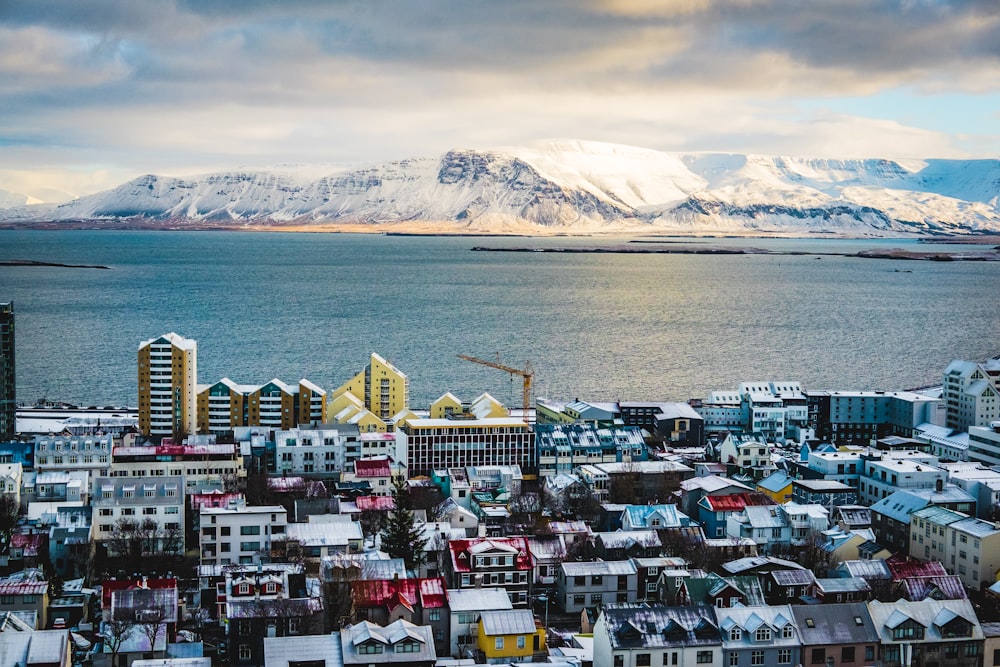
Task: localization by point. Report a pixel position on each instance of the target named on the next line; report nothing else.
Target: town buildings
(168, 378)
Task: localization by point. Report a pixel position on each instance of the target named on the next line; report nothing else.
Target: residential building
(562, 447)
(694, 489)
(891, 515)
(787, 586)
(61, 453)
(713, 511)
(203, 463)
(753, 636)
(582, 585)
(984, 443)
(506, 562)
(381, 387)
(420, 601)
(863, 417)
(8, 383)
(168, 377)
(320, 450)
(159, 499)
(623, 544)
(240, 534)
(267, 602)
(677, 423)
(399, 643)
(777, 485)
(829, 493)
(721, 411)
(635, 482)
(836, 590)
(768, 526)
(324, 535)
(510, 636)
(837, 635)
(839, 466)
(946, 633)
(26, 595)
(460, 442)
(465, 607)
(653, 517)
(747, 456)
(637, 635)
(892, 471)
(967, 546)
(971, 393)
(600, 415)
(10, 481)
(713, 590)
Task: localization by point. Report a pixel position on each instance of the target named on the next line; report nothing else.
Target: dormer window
(243, 589)
(787, 632)
(735, 634)
(763, 634)
(270, 588)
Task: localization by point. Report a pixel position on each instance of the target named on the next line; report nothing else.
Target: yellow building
(168, 376)
(445, 405)
(382, 388)
(510, 636)
(777, 486)
(225, 405)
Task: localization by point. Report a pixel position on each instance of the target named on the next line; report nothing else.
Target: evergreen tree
(400, 538)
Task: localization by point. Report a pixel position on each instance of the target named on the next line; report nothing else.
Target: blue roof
(775, 482)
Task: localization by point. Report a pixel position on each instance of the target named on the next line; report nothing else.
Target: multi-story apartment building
(971, 393)
(882, 474)
(159, 499)
(721, 411)
(636, 635)
(759, 636)
(240, 534)
(460, 442)
(587, 585)
(837, 465)
(226, 405)
(202, 465)
(677, 423)
(967, 546)
(929, 633)
(863, 417)
(168, 380)
(382, 388)
(267, 602)
(8, 384)
(562, 447)
(984, 443)
(312, 451)
(506, 562)
(746, 454)
(74, 452)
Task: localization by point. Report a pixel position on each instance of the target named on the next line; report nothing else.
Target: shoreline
(32, 262)
(889, 253)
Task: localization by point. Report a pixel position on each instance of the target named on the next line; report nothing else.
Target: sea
(602, 327)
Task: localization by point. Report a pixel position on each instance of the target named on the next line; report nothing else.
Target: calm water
(665, 327)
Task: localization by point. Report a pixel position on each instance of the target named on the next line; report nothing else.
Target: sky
(95, 93)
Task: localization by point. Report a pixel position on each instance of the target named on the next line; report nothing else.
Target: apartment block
(242, 534)
(168, 377)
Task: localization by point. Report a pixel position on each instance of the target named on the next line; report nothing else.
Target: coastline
(992, 255)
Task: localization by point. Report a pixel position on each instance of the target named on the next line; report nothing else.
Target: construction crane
(526, 373)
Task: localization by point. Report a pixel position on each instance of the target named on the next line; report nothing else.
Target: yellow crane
(526, 373)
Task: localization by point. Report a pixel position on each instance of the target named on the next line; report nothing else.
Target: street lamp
(544, 597)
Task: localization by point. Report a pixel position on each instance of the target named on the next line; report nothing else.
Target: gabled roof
(640, 625)
(832, 624)
(933, 615)
(735, 502)
(510, 622)
(948, 587)
(427, 593)
(462, 551)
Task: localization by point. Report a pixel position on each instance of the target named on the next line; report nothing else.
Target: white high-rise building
(168, 376)
(971, 393)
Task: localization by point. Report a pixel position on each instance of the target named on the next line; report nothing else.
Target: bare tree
(116, 631)
(150, 621)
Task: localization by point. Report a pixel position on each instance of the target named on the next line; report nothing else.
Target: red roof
(378, 467)
(110, 585)
(734, 502)
(199, 500)
(380, 503)
(905, 569)
(30, 543)
(428, 593)
(462, 551)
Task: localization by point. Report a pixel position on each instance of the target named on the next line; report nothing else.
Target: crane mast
(526, 373)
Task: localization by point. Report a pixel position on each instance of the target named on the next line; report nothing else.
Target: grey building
(632, 635)
(582, 585)
(837, 635)
(757, 636)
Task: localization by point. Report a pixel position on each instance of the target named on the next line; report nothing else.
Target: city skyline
(98, 93)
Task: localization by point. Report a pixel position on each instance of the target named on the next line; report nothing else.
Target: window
(818, 656)
(435, 615)
(785, 656)
(847, 654)
(249, 546)
(763, 634)
(245, 651)
(224, 531)
(643, 660)
(249, 530)
(107, 511)
(171, 510)
(869, 653)
(579, 599)
(128, 511)
(756, 657)
(520, 641)
(148, 510)
(370, 648)
(596, 598)
(596, 580)
(704, 657)
(734, 659)
(735, 634)
(498, 643)
(619, 660)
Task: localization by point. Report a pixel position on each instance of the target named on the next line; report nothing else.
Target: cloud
(157, 85)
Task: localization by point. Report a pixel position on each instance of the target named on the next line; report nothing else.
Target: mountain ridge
(568, 186)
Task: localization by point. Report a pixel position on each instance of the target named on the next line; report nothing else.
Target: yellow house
(486, 407)
(777, 486)
(446, 404)
(381, 387)
(511, 635)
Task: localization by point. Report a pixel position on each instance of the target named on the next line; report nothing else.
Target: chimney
(939, 485)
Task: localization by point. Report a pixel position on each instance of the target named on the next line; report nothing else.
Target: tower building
(168, 376)
(381, 387)
(8, 390)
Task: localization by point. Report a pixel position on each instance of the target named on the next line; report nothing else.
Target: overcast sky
(94, 93)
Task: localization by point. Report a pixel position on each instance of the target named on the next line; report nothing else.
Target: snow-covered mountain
(573, 186)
